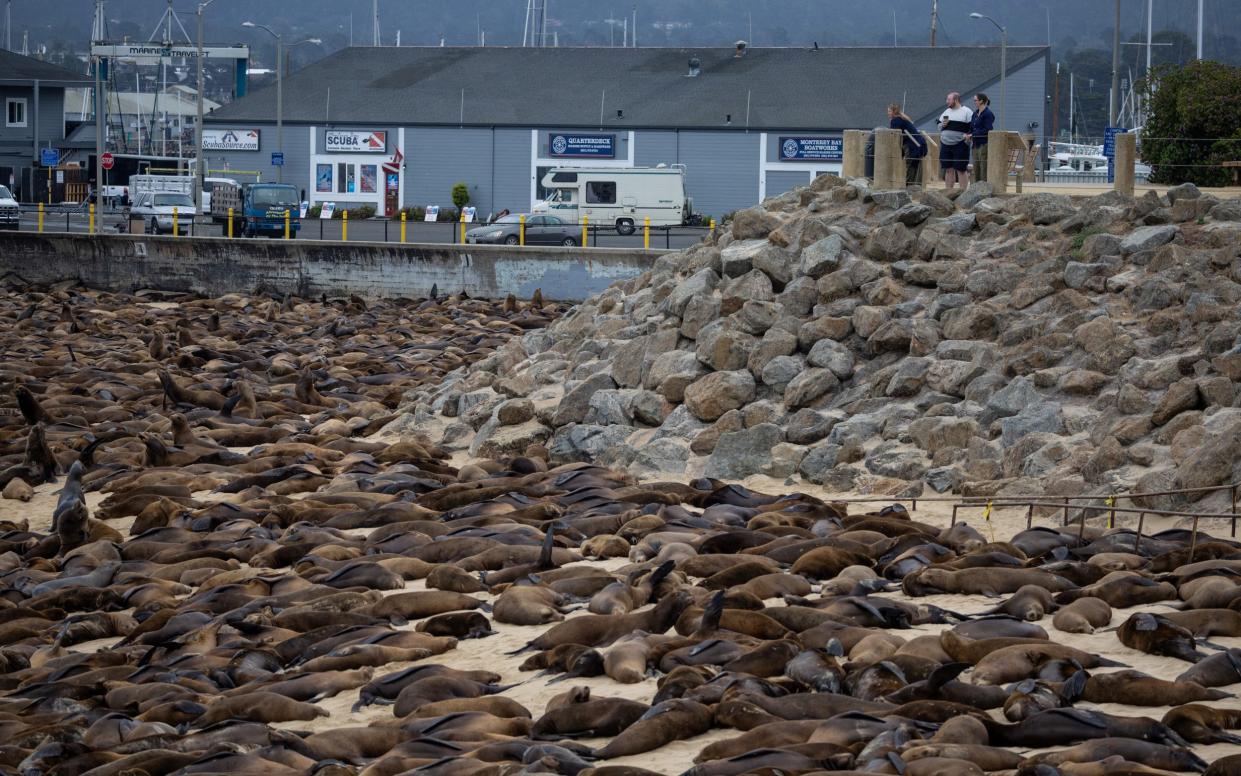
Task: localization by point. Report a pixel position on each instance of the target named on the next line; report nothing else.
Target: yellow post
(286, 224)
(230, 223)
(40, 218)
(344, 226)
(712, 226)
(463, 226)
(402, 226)
(521, 235)
(646, 233)
(175, 228)
(92, 218)
(585, 228)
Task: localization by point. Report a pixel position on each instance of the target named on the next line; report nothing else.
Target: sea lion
(1203, 623)
(259, 706)
(1154, 755)
(1157, 635)
(981, 581)
(663, 723)
(1029, 603)
(70, 516)
(1218, 670)
(1083, 615)
(626, 660)
(1122, 592)
(1134, 688)
(1021, 661)
(989, 758)
(459, 625)
(1203, 724)
(601, 630)
(528, 605)
(598, 717)
(1056, 727)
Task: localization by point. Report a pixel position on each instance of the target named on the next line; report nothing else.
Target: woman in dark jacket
(912, 142)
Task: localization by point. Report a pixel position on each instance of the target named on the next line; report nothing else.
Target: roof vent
(740, 50)
(695, 67)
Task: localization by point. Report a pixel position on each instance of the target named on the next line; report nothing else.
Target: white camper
(620, 197)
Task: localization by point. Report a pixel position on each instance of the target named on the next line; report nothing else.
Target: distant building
(33, 97)
(397, 127)
(158, 122)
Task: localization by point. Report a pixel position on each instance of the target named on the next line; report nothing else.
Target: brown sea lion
(1157, 635)
(1203, 724)
(1083, 616)
(601, 630)
(1218, 670)
(671, 720)
(591, 718)
(259, 707)
(981, 581)
(1020, 661)
(1029, 603)
(1097, 750)
(1134, 688)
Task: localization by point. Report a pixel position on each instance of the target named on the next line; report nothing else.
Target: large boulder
(672, 372)
(603, 445)
(1148, 238)
(822, 257)
(894, 242)
(576, 402)
(711, 396)
(754, 222)
(809, 386)
(830, 354)
(724, 347)
(740, 454)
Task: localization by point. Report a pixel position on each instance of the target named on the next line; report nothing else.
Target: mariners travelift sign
(358, 142)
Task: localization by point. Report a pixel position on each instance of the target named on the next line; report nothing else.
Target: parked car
(10, 212)
(116, 195)
(540, 230)
(156, 209)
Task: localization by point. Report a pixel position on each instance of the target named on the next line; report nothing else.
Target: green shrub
(460, 195)
(1194, 123)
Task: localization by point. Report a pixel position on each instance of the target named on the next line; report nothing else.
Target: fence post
(402, 226)
(521, 230)
(286, 223)
(1234, 510)
(344, 226)
(998, 145)
(585, 229)
(92, 217)
(1137, 540)
(1030, 517)
(930, 163)
(889, 165)
(1193, 540)
(230, 223)
(40, 218)
(646, 233)
(176, 224)
(463, 226)
(854, 152)
(1125, 163)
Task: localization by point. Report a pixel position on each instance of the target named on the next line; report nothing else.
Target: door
(392, 190)
(536, 230)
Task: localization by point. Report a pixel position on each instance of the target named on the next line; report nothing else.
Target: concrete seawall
(215, 266)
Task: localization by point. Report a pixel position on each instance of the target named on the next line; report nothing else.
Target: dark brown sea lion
(601, 630)
(1123, 592)
(1056, 727)
(1154, 755)
(1218, 670)
(663, 723)
(1021, 661)
(981, 581)
(259, 707)
(71, 516)
(1203, 724)
(1157, 635)
(1134, 688)
(1083, 616)
(459, 625)
(592, 718)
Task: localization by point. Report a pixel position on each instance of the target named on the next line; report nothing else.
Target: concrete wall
(220, 266)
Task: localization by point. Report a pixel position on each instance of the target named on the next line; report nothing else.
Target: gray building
(397, 127)
(33, 97)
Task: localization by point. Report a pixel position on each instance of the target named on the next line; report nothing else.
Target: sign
(571, 146)
(812, 149)
(327, 210)
(469, 214)
(302, 209)
(357, 142)
(60, 176)
(107, 160)
(157, 51)
(230, 140)
(277, 158)
(1109, 150)
(432, 213)
(49, 157)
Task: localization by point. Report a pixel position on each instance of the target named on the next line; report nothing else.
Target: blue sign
(1109, 150)
(49, 157)
(812, 149)
(596, 146)
(277, 158)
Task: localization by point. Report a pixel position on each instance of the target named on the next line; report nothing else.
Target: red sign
(107, 160)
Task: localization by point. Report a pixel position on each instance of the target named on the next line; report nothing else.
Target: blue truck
(258, 208)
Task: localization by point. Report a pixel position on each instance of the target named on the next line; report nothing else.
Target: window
(15, 112)
(601, 192)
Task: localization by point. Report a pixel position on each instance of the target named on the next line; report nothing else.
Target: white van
(625, 197)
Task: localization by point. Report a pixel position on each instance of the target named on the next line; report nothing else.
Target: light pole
(1003, 64)
(201, 172)
(279, 87)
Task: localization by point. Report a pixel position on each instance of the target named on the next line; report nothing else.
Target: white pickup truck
(157, 211)
(10, 211)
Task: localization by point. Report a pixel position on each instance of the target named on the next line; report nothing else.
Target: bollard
(930, 163)
(854, 162)
(998, 146)
(1126, 157)
(286, 224)
(463, 226)
(230, 223)
(92, 218)
(889, 164)
(176, 228)
(402, 226)
(521, 230)
(646, 233)
(712, 227)
(585, 228)
(344, 226)
(40, 218)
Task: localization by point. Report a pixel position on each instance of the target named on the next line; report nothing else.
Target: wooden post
(854, 162)
(1030, 517)
(998, 145)
(1125, 163)
(930, 163)
(521, 236)
(1193, 540)
(889, 163)
(1137, 540)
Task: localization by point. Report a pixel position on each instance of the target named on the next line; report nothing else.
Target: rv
(620, 197)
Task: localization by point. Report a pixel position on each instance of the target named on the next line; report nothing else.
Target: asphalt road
(376, 230)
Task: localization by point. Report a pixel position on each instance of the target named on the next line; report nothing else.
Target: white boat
(1084, 162)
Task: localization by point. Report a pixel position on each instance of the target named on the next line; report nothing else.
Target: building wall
(721, 170)
(655, 147)
(436, 158)
(511, 174)
(18, 154)
(1027, 101)
(249, 166)
(780, 181)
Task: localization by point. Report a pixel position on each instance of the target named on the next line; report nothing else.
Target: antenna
(375, 37)
(934, 20)
(534, 33)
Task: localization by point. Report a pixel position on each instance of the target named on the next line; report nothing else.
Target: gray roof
(15, 68)
(831, 88)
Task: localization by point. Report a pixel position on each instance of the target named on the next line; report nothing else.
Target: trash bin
(136, 224)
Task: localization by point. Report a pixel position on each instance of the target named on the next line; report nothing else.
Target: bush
(355, 212)
(460, 195)
(1195, 123)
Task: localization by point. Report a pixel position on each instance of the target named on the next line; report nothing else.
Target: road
(375, 230)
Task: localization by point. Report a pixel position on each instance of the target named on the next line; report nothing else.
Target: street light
(198, 128)
(279, 86)
(1003, 63)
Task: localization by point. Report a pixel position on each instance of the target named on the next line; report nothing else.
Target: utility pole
(1199, 29)
(1114, 103)
(8, 25)
(200, 165)
(1055, 105)
(634, 36)
(375, 23)
(934, 20)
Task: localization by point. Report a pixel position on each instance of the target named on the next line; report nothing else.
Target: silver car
(540, 230)
(156, 210)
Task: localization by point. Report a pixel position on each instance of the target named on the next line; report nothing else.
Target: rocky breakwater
(875, 341)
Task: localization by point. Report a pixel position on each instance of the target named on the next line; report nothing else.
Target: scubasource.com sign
(230, 140)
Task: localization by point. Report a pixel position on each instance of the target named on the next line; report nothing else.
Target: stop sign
(107, 160)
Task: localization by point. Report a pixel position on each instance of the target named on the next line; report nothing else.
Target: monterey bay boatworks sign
(355, 141)
(812, 149)
(230, 140)
(596, 146)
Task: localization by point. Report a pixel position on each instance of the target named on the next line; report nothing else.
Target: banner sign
(812, 149)
(469, 213)
(571, 146)
(1109, 150)
(155, 51)
(432, 213)
(49, 157)
(358, 142)
(327, 210)
(230, 140)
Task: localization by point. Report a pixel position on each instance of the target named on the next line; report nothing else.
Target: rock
(740, 454)
(610, 408)
(589, 444)
(18, 490)
(935, 434)
(867, 319)
(670, 373)
(1180, 397)
(706, 440)
(781, 370)
(901, 464)
(943, 479)
(976, 192)
(649, 408)
(884, 292)
(738, 257)
(1186, 190)
(826, 327)
(830, 354)
(892, 337)
(1043, 417)
(1077, 274)
(1031, 290)
(500, 442)
(701, 284)
(661, 456)
(699, 312)
(808, 387)
(1096, 246)
(778, 263)
(894, 242)
(1019, 394)
(1148, 238)
(1227, 210)
(723, 347)
(576, 402)
(893, 199)
(908, 378)
(1211, 464)
(817, 462)
(515, 412)
(711, 396)
(754, 285)
(1131, 401)
(807, 426)
(753, 223)
(911, 215)
(1044, 209)
(971, 322)
(822, 257)
(1083, 382)
(775, 342)
(756, 317)
(680, 424)
(799, 296)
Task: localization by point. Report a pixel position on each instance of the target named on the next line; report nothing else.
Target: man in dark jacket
(980, 127)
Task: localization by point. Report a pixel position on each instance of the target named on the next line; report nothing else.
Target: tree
(460, 195)
(1195, 123)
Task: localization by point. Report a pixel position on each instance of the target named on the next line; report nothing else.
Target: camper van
(624, 197)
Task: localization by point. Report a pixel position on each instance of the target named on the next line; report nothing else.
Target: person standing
(980, 126)
(912, 142)
(954, 152)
